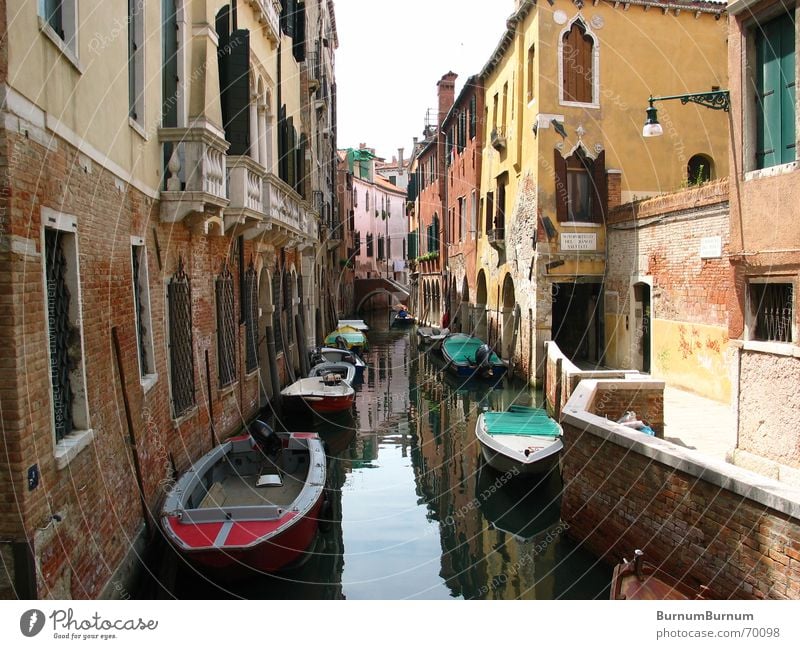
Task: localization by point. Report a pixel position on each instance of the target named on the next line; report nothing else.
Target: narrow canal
(415, 513)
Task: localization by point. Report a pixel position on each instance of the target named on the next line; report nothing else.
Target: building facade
(764, 235)
(157, 254)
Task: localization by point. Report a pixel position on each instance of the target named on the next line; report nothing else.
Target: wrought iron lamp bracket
(714, 99)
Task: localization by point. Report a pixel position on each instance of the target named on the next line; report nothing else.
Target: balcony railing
(287, 213)
(496, 238)
(498, 138)
(194, 183)
(246, 193)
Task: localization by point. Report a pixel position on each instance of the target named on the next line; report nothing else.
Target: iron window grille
(181, 354)
(59, 330)
(251, 318)
(276, 313)
(226, 328)
(772, 306)
(140, 314)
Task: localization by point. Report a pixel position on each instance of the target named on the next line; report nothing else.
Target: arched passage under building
(480, 307)
(509, 321)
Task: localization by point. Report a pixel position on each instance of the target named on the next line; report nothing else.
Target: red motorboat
(251, 503)
(326, 394)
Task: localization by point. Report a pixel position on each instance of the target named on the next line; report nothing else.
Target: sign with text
(710, 247)
(578, 241)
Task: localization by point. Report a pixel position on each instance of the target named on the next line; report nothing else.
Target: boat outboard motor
(266, 438)
(341, 343)
(483, 360)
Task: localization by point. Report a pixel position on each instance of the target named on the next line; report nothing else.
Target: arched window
(578, 65)
(699, 170)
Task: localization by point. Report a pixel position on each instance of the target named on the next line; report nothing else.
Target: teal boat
(470, 357)
(520, 440)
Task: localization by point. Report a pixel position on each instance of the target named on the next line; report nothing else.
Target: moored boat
(521, 440)
(250, 504)
(348, 337)
(337, 354)
(641, 580)
(468, 356)
(322, 394)
(403, 318)
(432, 336)
(355, 324)
(335, 369)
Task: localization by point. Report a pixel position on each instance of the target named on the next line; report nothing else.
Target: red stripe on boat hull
(324, 405)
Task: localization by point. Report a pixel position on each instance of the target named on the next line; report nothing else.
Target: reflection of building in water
(491, 529)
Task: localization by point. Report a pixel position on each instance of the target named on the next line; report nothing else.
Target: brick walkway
(698, 423)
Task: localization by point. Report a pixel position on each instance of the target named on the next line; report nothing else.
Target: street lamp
(714, 99)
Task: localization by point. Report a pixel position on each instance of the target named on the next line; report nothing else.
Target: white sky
(391, 54)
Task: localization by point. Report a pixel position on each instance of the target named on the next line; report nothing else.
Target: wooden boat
(250, 504)
(403, 319)
(468, 356)
(348, 337)
(337, 354)
(355, 324)
(322, 394)
(345, 371)
(641, 580)
(520, 440)
(432, 336)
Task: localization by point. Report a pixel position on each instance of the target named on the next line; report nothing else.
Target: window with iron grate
(250, 296)
(181, 356)
(141, 303)
(276, 313)
(771, 312)
(226, 328)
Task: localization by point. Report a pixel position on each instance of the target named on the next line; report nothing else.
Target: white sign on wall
(578, 241)
(710, 247)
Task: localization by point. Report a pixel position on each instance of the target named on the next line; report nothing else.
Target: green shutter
(775, 95)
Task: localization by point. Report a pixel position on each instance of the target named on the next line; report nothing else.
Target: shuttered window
(577, 65)
(581, 188)
(413, 247)
(775, 92)
(473, 117)
(169, 64)
(234, 82)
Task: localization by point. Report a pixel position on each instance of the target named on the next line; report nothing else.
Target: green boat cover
(520, 420)
(351, 335)
(462, 348)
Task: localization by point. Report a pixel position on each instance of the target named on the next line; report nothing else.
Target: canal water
(415, 512)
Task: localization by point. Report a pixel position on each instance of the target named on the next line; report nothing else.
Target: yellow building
(566, 90)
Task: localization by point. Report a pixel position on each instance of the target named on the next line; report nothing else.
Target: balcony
(288, 216)
(497, 238)
(246, 210)
(194, 186)
(498, 138)
(268, 13)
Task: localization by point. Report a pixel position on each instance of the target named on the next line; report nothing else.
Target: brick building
(157, 236)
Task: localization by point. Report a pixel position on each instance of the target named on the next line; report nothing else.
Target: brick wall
(625, 491)
(96, 495)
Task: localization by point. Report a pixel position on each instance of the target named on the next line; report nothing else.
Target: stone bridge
(364, 289)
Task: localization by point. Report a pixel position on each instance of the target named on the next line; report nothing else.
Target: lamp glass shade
(652, 130)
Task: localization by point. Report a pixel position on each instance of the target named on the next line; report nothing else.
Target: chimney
(400, 157)
(447, 94)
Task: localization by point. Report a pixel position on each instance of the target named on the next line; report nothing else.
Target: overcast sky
(392, 54)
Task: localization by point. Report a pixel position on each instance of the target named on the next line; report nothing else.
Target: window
(250, 299)
(473, 116)
(381, 246)
(413, 247)
(462, 218)
(473, 219)
(698, 170)
(277, 329)
(530, 72)
(181, 351)
(504, 123)
(169, 64)
(370, 252)
(388, 248)
(580, 186)
(59, 22)
(500, 216)
(366, 200)
(393, 180)
(226, 328)
(771, 312)
(775, 92)
(64, 328)
(357, 242)
(136, 61)
(141, 304)
(577, 65)
(489, 217)
(480, 220)
(355, 197)
(494, 111)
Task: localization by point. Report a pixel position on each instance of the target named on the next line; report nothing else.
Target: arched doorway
(479, 320)
(464, 313)
(437, 306)
(508, 334)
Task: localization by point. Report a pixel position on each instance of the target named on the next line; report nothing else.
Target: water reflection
(414, 512)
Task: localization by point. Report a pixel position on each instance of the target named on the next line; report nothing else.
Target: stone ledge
(742, 482)
(764, 347)
(68, 448)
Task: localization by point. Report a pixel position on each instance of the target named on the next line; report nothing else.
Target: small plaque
(711, 247)
(578, 241)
